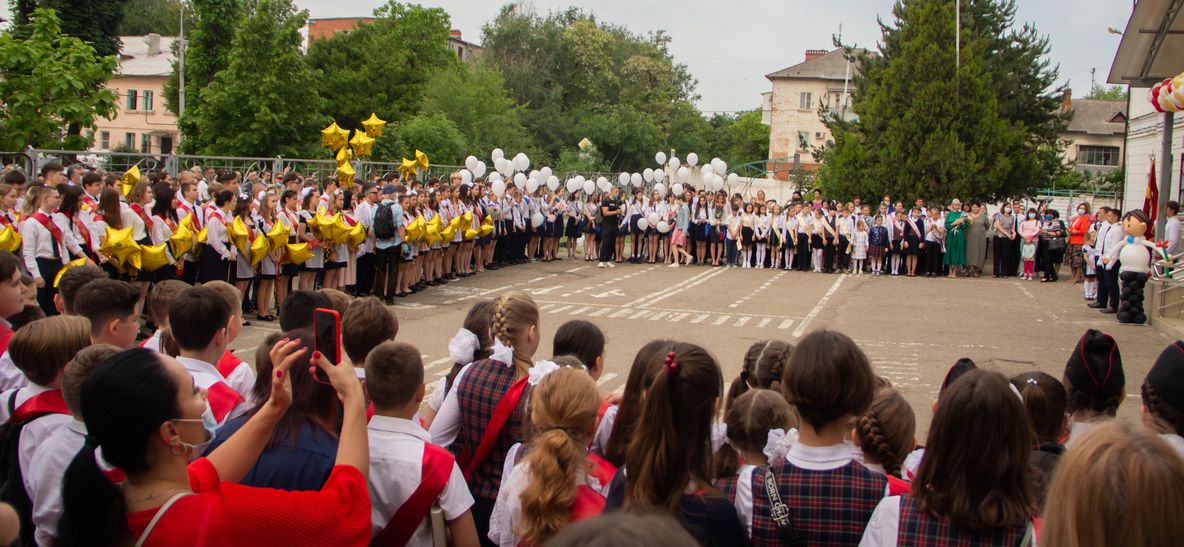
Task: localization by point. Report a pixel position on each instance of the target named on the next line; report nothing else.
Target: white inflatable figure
(1134, 258)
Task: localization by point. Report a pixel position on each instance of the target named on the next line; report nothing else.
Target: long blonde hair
(513, 314)
(1119, 485)
(563, 410)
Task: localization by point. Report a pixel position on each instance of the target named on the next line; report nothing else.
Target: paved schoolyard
(912, 329)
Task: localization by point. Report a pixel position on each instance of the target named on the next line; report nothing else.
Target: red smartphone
(327, 338)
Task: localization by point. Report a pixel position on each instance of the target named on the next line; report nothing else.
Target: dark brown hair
(312, 402)
(196, 315)
(78, 369)
(478, 321)
(672, 445)
(394, 370)
(158, 300)
(980, 480)
(1045, 404)
(580, 338)
(366, 323)
(764, 363)
(1167, 418)
(103, 300)
(828, 378)
(887, 430)
(73, 280)
(750, 418)
(646, 365)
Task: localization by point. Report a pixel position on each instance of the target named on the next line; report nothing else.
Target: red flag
(1151, 201)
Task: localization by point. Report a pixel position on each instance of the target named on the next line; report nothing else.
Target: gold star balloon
(10, 239)
(181, 242)
(120, 247)
(416, 229)
(202, 237)
(373, 126)
(407, 169)
(71, 264)
(421, 160)
(259, 249)
(238, 233)
(334, 137)
(153, 257)
(297, 253)
(130, 179)
(345, 173)
(343, 156)
(331, 228)
(278, 236)
(356, 235)
(362, 144)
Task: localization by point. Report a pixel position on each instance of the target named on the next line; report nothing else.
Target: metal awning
(1152, 46)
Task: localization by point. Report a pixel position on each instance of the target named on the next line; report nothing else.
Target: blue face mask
(1047, 217)
(210, 424)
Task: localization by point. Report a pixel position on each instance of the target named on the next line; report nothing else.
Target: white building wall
(1145, 141)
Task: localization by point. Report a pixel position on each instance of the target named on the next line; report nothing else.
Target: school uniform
(216, 260)
(316, 262)
(225, 401)
(42, 411)
(802, 251)
(738, 490)
(400, 452)
(244, 271)
(47, 469)
(290, 220)
(160, 230)
(507, 513)
(829, 496)
(364, 263)
(47, 244)
(900, 520)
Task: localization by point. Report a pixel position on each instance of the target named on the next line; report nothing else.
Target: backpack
(384, 222)
(12, 485)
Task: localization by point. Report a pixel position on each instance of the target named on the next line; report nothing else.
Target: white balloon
(519, 180)
(499, 187)
(604, 184)
(692, 159)
(471, 163)
(465, 176)
(674, 163)
(573, 185)
(707, 170)
(623, 178)
(552, 182)
(536, 220)
(676, 189)
(648, 174)
(480, 169)
(497, 154)
(546, 172)
(522, 162)
(660, 157)
(733, 179)
(660, 189)
(717, 183)
(663, 227)
(659, 175)
(636, 179)
(501, 165)
(589, 187)
(723, 167)
(495, 176)
(532, 185)
(652, 218)
(581, 179)
(537, 176)
(684, 174)
(643, 224)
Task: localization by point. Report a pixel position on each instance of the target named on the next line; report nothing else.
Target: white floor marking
(764, 323)
(560, 308)
(818, 307)
(576, 269)
(599, 312)
(659, 315)
(580, 310)
(545, 307)
(620, 313)
(604, 378)
(437, 362)
(742, 321)
(701, 317)
(647, 298)
(722, 319)
(785, 324)
(640, 314)
(679, 317)
(683, 286)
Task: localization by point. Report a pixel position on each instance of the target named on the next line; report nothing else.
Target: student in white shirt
(757, 424)
(48, 243)
(401, 454)
(200, 322)
(53, 456)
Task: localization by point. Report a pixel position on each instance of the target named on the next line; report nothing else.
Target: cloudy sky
(730, 46)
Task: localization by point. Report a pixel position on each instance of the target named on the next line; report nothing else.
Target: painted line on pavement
(818, 307)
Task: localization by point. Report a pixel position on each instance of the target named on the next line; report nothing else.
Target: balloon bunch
(409, 168)
(10, 239)
(132, 257)
(1168, 95)
(337, 139)
(515, 168)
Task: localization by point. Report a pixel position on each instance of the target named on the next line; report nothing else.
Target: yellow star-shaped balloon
(202, 237)
(407, 169)
(331, 228)
(278, 236)
(421, 160)
(10, 239)
(259, 249)
(71, 264)
(297, 253)
(373, 126)
(345, 174)
(238, 233)
(343, 156)
(130, 179)
(334, 137)
(362, 144)
(181, 242)
(120, 247)
(415, 229)
(154, 257)
(356, 235)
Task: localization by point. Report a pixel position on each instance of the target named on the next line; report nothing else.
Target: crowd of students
(175, 441)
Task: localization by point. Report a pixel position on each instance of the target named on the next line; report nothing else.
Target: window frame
(132, 101)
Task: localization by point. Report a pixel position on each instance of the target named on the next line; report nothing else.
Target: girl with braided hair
(1045, 402)
(760, 423)
(884, 434)
(482, 416)
(763, 363)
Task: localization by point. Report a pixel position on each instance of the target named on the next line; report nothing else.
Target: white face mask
(1081, 211)
(210, 424)
(1031, 216)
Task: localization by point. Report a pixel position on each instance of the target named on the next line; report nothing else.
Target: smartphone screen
(327, 333)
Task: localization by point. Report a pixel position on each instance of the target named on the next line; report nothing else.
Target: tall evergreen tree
(927, 127)
(96, 22)
(265, 102)
(207, 53)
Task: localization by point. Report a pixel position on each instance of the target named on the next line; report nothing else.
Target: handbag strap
(780, 513)
(160, 513)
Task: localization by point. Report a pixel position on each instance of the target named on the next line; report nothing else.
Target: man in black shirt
(610, 209)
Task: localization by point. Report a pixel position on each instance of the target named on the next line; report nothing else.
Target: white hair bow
(778, 444)
(719, 436)
(462, 346)
(502, 353)
(539, 371)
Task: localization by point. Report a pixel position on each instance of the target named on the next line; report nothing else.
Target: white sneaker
(672, 265)
(611, 265)
(601, 265)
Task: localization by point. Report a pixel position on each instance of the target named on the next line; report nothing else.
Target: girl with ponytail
(481, 417)
(555, 483)
(763, 363)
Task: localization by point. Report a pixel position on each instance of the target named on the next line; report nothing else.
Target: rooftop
(150, 55)
(819, 65)
(1096, 117)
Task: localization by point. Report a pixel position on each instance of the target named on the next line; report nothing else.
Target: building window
(132, 95)
(146, 105)
(803, 140)
(129, 141)
(1097, 155)
(145, 143)
(104, 140)
(806, 100)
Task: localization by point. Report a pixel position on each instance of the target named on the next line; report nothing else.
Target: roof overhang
(1152, 46)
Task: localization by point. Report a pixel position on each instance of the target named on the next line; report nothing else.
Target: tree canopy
(215, 23)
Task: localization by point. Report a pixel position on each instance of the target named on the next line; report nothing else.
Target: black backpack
(384, 222)
(12, 485)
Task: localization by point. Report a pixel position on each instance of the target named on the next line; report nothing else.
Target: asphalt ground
(912, 329)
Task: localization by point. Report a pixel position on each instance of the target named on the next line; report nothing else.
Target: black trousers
(1130, 308)
(365, 274)
(1108, 286)
(608, 240)
(1000, 255)
(828, 255)
(844, 258)
(803, 253)
(47, 270)
(386, 271)
(933, 258)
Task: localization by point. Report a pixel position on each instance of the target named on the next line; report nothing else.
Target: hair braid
(501, 330)
(873, 438)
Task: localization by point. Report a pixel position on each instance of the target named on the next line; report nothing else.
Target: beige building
(141, 123)
(1096, 134)
(328, 26)
(792, 107)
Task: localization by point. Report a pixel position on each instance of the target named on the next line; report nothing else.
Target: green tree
(207, 53)
(147, 16)
(474, 98)
(264, 103)
(49, 82)
(580, 160)
(1108, 93)
(926, 128)
(382, 67)
(96, 22)
(750, 138)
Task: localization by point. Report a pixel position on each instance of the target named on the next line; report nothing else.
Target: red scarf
(41, 404)
(54, 230)
(139, 210)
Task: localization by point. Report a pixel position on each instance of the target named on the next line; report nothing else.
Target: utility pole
(846, 79)
(181, 73)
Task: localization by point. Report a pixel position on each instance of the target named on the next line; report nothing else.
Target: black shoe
(265, 317)
(390, 300)
(1096, 306)
(1109, 310)
(402, 295)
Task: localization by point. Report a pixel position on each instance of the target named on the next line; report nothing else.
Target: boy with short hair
(408, 473)
(297, 310)
(71, 282)
(238, 374)
(55, 454)
(158, 309)
(366, 324)
(113, 308)
(199, 322)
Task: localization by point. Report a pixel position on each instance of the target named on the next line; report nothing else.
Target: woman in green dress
(955, 256)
